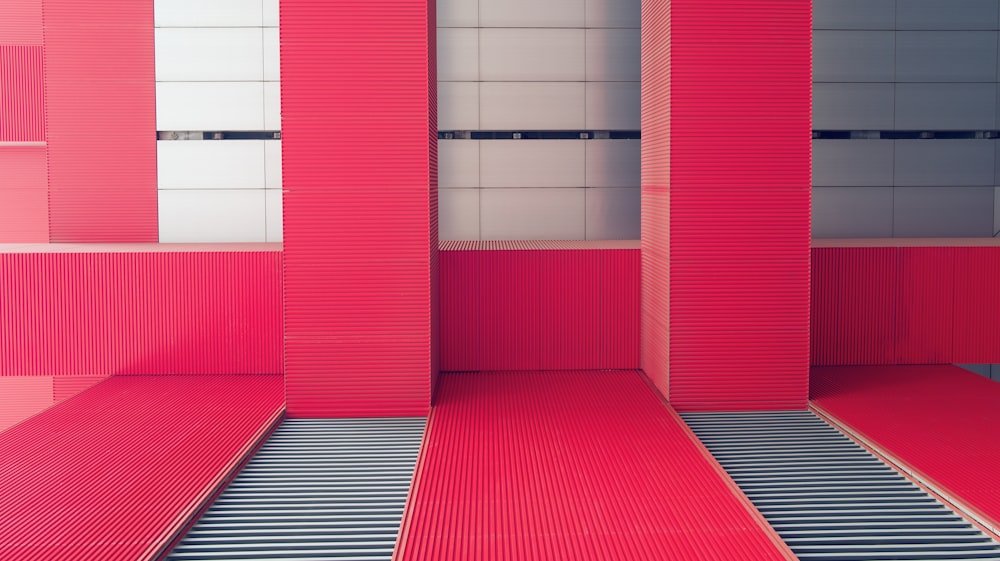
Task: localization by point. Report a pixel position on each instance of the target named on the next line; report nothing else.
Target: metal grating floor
(829, 498)
(317, 489)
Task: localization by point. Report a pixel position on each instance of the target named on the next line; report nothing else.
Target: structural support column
(726, 201)
(359, 137)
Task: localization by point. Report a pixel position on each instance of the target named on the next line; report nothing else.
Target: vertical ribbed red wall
(101, 120)
(97, 313)
(738, 169)
(656, 117)
(22, 98)
(359, 164)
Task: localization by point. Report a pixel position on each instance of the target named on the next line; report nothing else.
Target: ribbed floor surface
(829, 498)
(317, 489)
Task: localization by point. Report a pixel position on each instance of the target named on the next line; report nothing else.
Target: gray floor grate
(317, 489)
(829, 498)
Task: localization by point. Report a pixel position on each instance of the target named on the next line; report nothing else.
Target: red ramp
(570, 465)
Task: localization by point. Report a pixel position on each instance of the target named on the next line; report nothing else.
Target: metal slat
(317, 489)
(829, 498)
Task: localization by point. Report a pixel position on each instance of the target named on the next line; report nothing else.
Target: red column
(360, 206)
(101, 120)
(726, 129)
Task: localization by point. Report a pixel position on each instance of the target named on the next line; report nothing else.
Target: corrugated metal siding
(655, 120)
(101, 121)
(543, 465)
(130, 312)
(112, 473)
(977, 305)
(22, 93)
(940, 421)
(539, 306)
(359, 207)
(23, 396)
(925, 313)
(24, 195)
(21, 22)
(740, 108)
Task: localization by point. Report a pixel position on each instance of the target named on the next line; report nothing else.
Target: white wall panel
(533, 214)
(946, 14)
(852, 212)
(853, 56)
(208, 13)
(946, 56)
(272, 106)
(539, 55)
(944, 162)
(613, 55)
(272, 164)
(272, 54)
(533, 105)
(531, 13)
(457, 13)
(853, 106)
(272, 215)
(945, 106)
(457, 54)
(458, 163)
(458, 214)
(209, 54)
(839, 163)
(613, 214)
(854, 14)
(210, 164)
(212, 216)
(270, 13)
(613, 163)
(532, 163)
(613, 105)
(199, 106)
(932, 212)
(614, 13)
(458, 105)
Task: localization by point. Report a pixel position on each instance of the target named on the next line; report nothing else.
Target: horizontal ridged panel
(112, 473)
(655, 178)
(739, 204)
(854, 302)
(359, 208)
(22, 94)
(539, 309)
(544, 465)
(99, 77)
(108, 313)
(21, 22)
(899, 407)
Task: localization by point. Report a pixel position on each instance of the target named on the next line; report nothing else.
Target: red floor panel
(111, 473)
(941, 421)
(570, 465)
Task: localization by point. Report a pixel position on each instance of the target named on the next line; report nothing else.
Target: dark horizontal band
(540, 135)
(218, 135)
(904, 135)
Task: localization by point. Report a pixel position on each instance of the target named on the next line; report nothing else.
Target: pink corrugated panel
(22, 97)
(461, 310)
(359, 207)
(941, 422)
(976, 334)
(104, 313)
(114, 472)
(21, 22)
(621, 315)
(925, 318)
(101, 119)
(547, 466)
(23, 396)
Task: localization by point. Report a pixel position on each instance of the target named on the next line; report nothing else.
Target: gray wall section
(906, 65)
(512, 65)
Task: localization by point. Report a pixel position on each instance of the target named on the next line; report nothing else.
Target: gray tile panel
(943, 212)
(852, 212)
(852, 162)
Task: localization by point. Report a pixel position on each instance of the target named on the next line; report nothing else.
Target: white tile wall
(532, 163)
(613, 214)
(613, 55)
(272, 215)
(272, 50)
(208, 106)
(532, 105)
(533, 214)
(272, 164)
(458, 164)
(458, 105)
(209, 54)
(853, 106)
(458, 214)
(614, 13)
(457, 54)
(613, 105)
(458, 13)
(270, 13)
(532, 13)
(210, 164)
(547, 55)
(208, 13)
(613, 163)
(272, 106)
(236, 215)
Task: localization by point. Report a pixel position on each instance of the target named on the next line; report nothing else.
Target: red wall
(736, 166)
(144, 309)
(101, 119)
(360, 206)
(905, 305)
(539, 306)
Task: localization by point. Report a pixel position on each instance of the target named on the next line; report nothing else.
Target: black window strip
(218, 135)
(540, 135)
(903, 135)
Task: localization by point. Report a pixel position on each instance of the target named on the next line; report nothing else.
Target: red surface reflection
(24, 396)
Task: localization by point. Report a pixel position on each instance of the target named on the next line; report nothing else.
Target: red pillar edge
(359, 165)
